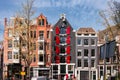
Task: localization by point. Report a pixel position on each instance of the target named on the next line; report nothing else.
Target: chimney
(5, 22)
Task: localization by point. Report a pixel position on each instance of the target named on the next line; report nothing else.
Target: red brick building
(40, 32)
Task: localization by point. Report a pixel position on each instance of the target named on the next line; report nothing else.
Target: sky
(79, 13)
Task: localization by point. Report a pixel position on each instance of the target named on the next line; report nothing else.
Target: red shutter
(68, 30)
(57, 39)
(57, 50)
(68, 40)
(66, 76)
(57, 30)
(68, 50)
(68, 59)
(57, 59)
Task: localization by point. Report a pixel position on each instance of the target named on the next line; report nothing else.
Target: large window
(9, 43)
(48, 34)
(62, 59)
(92, 63)
(9, 33)
(79, 53)
(16, 43)
(62, 49)
(85, 63)
(70, 69)
(55, 69)
(62, 69)
(41, 46)
(92, 52)
(79, 63)
(62, 40)
(9, 54)
(16, 56)
(24, 43)
(85, 52)
(92, 41)
(34, 46)
(41, 58)
(41, 35)
(34, 58)
(41, 22)
(79, 41)
(85, 41)
(62, 30)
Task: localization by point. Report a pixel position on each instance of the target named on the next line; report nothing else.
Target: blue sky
(80, 13)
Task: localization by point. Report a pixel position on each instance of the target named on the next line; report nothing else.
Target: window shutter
(68, 30)
(68, 40)
(57, 30)
(68, 50)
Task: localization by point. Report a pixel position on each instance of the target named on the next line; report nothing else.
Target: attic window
(41, 22)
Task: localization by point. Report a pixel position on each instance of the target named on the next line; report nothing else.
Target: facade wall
(63, 50)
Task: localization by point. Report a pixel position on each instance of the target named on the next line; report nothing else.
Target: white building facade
(86, 54)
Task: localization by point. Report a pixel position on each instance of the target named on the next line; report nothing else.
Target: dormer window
(41, 22)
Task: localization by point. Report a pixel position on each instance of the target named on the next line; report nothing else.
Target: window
(79, 53)
(41, 46)
(62, 30)
(40, 57)
(34, 34)
(55, 69)
(79, 41)
(9, 54)
(92, 52)
(15, 55)
(62, 59)
(85, 63)
(92, 41)
(62, 50)
(62, 40)
(34, 46)
(94, 75)
(31, 34)
(48, 33)
(92, 63)
(41, 35)
(85, 52)
(79, 63)
(70, 68)
(24, 43)
(85, 41)
(41, 22)
(9, 33)
(9, 43)
(101, 71)
(15, 43)
(34, 58)
(62, 69)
